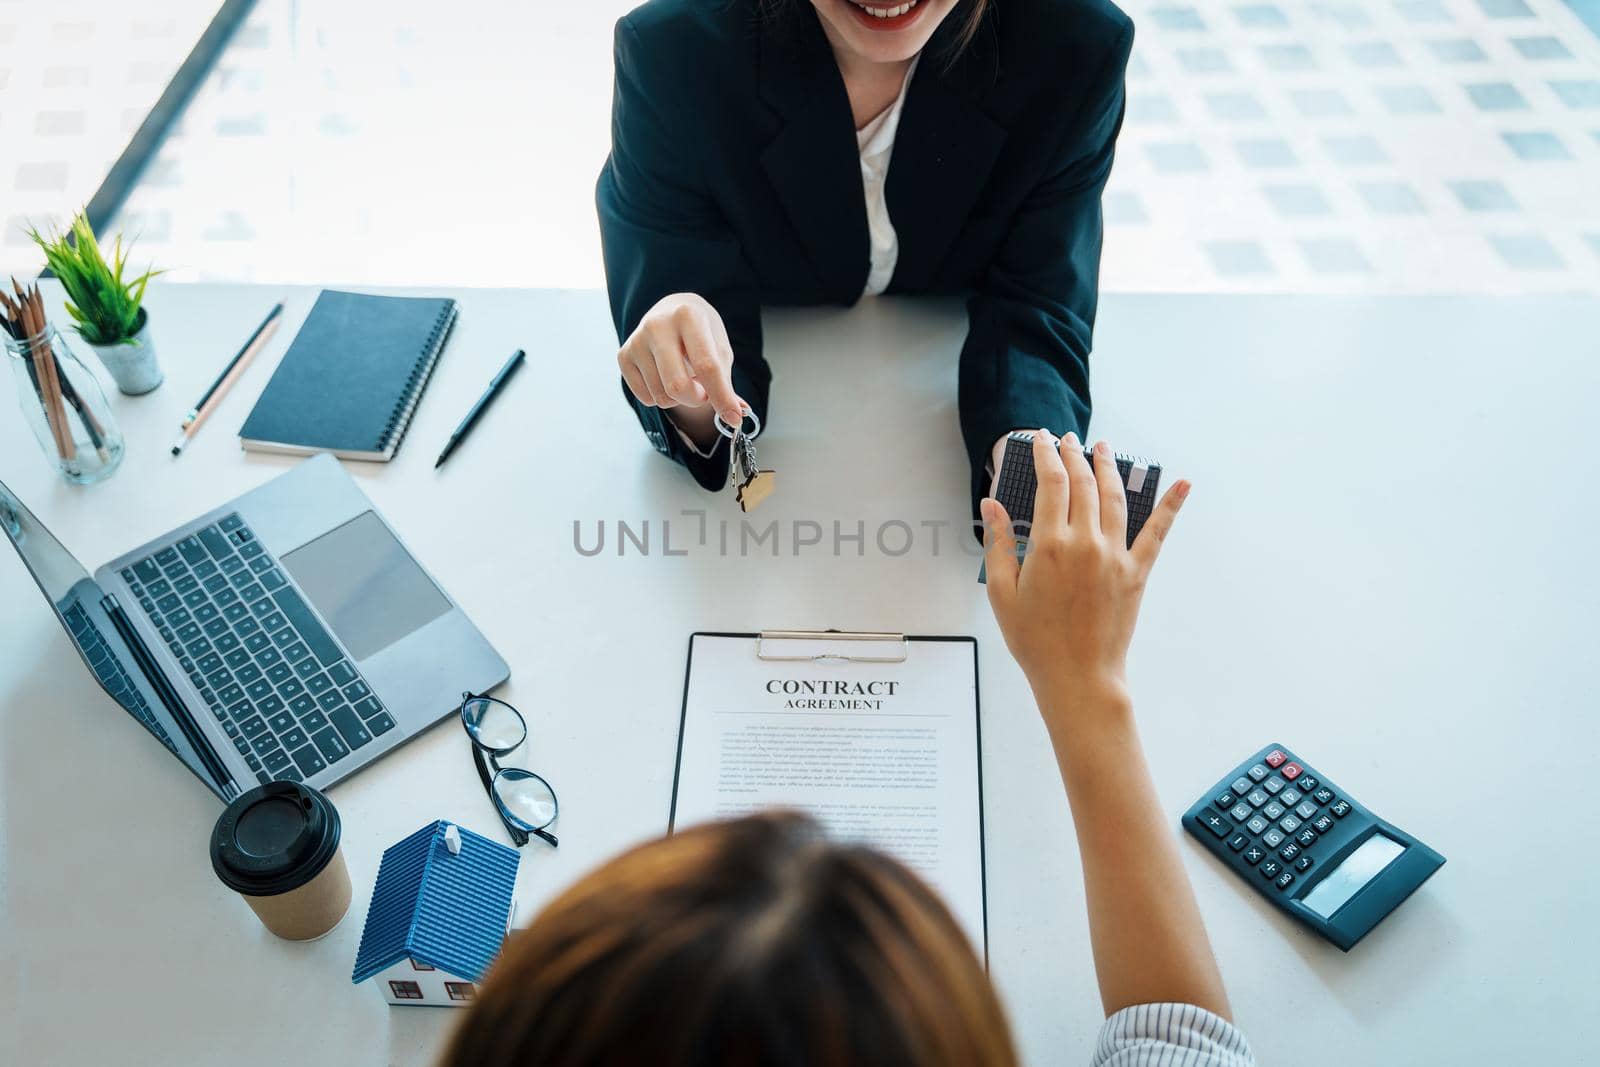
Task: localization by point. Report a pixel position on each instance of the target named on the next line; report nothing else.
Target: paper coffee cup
(278, 847)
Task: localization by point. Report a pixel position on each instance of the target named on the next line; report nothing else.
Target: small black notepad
(352, 377)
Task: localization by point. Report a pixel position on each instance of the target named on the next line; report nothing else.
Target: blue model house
(440, 911)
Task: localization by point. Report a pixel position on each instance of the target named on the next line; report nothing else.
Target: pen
(480, 407)
(219, 388)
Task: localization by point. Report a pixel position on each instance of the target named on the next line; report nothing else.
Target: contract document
(878, 739)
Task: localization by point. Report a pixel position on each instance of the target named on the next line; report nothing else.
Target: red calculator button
(1291, 771)
(1276, 759)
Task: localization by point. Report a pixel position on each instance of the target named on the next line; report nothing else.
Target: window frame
(405, 989)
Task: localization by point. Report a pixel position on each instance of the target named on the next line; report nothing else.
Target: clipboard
(788, 648)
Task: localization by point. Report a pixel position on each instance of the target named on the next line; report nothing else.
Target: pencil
(17, 324)
(41, 373)
(52, 374)
(38, 367)
(11, 319)
(97, 432)
(12, 323)
(230, 374)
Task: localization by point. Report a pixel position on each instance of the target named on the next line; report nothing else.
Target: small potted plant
(108, 311)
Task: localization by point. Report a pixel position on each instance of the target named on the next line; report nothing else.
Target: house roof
(448, 910)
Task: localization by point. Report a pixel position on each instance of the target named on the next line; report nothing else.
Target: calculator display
(1345, 880)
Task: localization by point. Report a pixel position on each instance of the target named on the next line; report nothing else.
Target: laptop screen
(75, 598)
(55, 569)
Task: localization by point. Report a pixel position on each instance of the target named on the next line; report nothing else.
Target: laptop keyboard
(272, 675)
(109, 670)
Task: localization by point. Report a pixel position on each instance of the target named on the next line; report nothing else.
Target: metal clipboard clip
(876, 647)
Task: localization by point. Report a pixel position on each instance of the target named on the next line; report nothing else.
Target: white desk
(1387, 563)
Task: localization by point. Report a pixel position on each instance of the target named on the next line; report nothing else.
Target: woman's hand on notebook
(679, 359)
(1068, 614)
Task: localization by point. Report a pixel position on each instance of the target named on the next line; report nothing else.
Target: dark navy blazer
(734, 173)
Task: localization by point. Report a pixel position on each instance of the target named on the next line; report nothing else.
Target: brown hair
(750, 942)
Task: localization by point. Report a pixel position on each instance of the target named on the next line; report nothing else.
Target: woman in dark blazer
(736, 179)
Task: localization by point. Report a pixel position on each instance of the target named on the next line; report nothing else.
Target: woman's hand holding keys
(679, 359)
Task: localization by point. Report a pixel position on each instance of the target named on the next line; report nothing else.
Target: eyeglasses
(525, 801)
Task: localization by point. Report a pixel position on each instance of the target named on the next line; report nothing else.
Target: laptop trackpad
(366, 585)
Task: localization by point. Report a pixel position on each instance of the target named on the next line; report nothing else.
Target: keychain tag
(752, 485)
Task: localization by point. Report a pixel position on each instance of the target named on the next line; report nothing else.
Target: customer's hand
(1068, 613)
(679, 358)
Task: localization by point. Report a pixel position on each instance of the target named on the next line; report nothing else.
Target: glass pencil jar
(63, 404)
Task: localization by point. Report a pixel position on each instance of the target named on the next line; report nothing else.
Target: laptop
(285, 635)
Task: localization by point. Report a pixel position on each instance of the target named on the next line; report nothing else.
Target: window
(407, 990)
(418, 965)
(460, 990)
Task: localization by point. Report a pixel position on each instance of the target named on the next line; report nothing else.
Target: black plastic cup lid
(275, 838)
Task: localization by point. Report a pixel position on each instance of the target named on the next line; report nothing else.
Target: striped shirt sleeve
(1170, 1035)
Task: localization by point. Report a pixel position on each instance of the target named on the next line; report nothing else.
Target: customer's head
(746, 942)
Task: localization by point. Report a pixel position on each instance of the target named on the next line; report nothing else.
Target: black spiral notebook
(352, 377)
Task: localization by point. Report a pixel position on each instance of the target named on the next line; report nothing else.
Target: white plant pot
(133, 363)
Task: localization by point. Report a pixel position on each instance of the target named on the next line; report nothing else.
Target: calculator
(1308, 847)
(1017, 482)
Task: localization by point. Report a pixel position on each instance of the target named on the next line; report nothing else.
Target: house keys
(751, 484)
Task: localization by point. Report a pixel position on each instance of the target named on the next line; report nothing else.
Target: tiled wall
(1270, 145)
(1363, 145)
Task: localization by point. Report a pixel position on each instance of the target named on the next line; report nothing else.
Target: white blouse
(875, 141)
